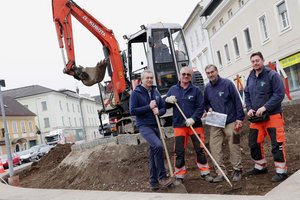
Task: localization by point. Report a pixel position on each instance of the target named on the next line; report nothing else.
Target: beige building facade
(20, 127)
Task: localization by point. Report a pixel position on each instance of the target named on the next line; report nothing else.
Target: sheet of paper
(215, 119)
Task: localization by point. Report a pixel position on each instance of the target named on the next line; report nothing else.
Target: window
(30, 124)
(236, 47)
(192, 43)
(46, 122)
(227, 53)
(75, 121)
(70, 123)
(283, 16)
(197, 38)
(78, 108)
(63, 120)
(44, 105)
(221, 21)
(73, 107)
(23, 127)
(214, 29)
(68, 107)
(229, 13)
(15, 127)
(60, 106)
(263, 28)
(248, 39)
(80, 122)
(219, 58)
(241, 3)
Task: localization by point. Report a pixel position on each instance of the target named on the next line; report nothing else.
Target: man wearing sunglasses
(220, 95)
(190, 100)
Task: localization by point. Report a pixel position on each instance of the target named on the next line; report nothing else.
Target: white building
(238, 28)
(198, 40)
(63, 109)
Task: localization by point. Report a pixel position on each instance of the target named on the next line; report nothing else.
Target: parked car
(27, 156)
(34, 151)
(15, 158)
(44, 149)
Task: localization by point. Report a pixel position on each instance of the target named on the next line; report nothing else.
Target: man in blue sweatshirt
(190, 100)
(264, 92)
(145, 103)
(220, 95)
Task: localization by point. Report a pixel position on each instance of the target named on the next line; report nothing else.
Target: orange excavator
(125, 67)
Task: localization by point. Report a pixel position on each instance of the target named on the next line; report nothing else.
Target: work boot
(218, 179)
(180, 180)
(166, 182)
(237, 175)
(154, 187)
(279, 177)
(256, 171)
(207, 177)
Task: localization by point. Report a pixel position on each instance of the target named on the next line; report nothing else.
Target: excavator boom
(63, 10)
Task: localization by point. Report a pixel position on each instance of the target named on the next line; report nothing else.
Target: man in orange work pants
(264, 93)
(191, 101)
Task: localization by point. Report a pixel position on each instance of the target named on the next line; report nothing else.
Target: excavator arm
(63, 10)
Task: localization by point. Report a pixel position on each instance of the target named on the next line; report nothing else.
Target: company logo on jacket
(220, 94)
(190, 96)
(262, 83)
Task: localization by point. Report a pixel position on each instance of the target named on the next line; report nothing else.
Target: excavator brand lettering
(94, 26)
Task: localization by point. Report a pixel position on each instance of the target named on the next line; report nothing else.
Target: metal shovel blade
(177, 187)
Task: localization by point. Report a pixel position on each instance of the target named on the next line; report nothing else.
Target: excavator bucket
(94, 74)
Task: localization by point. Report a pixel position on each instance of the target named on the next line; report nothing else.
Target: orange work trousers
(274, 129)
(181, 140)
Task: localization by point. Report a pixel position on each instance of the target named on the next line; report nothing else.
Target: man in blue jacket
(145, 103)
(264, 92)
(190, 100)
(220, 95)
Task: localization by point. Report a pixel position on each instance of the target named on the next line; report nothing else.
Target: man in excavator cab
(161, 52)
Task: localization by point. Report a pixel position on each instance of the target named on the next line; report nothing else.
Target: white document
(215, 119)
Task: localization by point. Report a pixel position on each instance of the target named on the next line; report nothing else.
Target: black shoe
(207, 177)
(279, 177)
(154, 187)
(256, 171)
(218, 178)
(166, 182)
(237, 175)
(180, 180)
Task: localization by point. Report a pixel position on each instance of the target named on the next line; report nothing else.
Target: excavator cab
(164, 52)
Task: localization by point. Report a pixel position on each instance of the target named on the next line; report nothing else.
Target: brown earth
(125, 168)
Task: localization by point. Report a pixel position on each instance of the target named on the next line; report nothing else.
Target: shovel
(178, 186)
(207, 151)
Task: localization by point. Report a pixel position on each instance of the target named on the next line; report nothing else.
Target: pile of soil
(125, 168)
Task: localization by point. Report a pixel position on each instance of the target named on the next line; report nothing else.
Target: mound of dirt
(125, 168)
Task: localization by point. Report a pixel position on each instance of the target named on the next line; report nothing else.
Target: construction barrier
(277, 67)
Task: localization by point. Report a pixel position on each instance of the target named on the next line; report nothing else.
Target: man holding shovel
(220, 95)
(145, 103)
(190, 99)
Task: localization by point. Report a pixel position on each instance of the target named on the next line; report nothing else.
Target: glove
(171, 99)
(189, 122)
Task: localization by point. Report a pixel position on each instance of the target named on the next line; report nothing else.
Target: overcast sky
(29, 49)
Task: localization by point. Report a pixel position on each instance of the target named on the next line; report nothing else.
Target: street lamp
(38, 119)
(7, 141)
